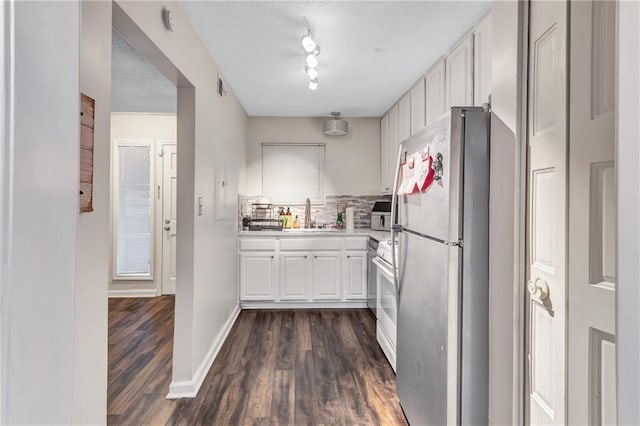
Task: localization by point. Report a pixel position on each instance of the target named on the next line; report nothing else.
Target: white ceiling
(371, 51)
(137, 85)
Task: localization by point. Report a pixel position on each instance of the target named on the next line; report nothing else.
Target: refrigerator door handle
(394, 219)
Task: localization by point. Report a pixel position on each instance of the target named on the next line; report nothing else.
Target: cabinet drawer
(357, 243)
(329, 243)
(258, 244)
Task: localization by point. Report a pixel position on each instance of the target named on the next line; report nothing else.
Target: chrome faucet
(307, 214)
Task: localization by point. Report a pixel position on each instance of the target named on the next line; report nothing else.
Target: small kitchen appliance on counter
(381, 216)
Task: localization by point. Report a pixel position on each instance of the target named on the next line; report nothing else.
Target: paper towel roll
(349, 219)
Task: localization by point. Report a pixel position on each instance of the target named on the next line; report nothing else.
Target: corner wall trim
(142, 292)
(189, 388)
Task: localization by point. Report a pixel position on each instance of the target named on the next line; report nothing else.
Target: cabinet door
(295, 277)
(391, 151)
(459, 72)
(404, 117)
(434, 82)
(417, 107)
(482, 61)
(257, 275)
(385, 186)
(326, 279)
(355, 283)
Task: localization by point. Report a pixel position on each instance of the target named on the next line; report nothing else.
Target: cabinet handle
(305, 256)
(348, 257)
(272, 257)
(315, 257)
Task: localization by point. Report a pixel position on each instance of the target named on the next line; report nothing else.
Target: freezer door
(427, 330)
(434, 212)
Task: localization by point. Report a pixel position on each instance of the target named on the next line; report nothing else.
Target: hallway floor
(276, 367)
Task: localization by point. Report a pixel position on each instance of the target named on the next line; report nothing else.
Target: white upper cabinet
(385, 187)
(389, 147)
(404, 118)
(482, 40)
(459, 71)
(435, 85)
(417, 106)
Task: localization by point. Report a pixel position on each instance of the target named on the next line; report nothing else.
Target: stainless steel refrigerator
(443, 271)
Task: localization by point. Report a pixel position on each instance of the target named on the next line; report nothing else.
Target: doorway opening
(144, 231)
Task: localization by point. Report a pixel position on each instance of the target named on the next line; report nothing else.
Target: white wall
(505, 393)
(353, 161)
(158, 128)
(628, 199)
(90, 349)
(213, 140)
(40, 206)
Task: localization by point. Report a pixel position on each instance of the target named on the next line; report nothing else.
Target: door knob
(167, 221)
(167, 228)
(538, 288)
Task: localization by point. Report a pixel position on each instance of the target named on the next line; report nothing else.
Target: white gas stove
(387, 304)
(384, 251)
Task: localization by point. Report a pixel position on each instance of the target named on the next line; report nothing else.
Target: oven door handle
(384, 268)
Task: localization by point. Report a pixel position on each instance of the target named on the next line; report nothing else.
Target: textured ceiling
(136, 85)
(371, 51)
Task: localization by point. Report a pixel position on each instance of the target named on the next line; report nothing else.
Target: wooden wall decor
(87, 115)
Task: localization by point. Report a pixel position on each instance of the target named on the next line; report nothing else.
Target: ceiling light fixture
(311, 72)
(336, 126)
(312, 50)
(312, 61)
(307, 42)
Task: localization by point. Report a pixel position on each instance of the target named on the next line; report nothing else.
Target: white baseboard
(354, 304)
(145, 292)
(190, 388)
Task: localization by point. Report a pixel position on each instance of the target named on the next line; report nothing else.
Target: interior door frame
(520, 397)
(628, 212)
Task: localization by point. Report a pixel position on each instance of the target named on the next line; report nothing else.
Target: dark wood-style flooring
(281, 367)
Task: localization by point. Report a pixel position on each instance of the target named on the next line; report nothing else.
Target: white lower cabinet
(325, 276)
(257, 275)
(294, 275)
(355, 275)
(329, 270)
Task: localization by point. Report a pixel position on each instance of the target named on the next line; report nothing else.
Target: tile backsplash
(322, 214)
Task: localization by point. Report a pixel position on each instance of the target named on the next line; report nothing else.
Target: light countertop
(364, 232)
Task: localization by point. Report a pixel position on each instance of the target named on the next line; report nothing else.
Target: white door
(257, 275)
(326, 278)
(392, 143)
(435, 88)
(356, 275)
(404, 120)
(591, 364)
(482, 39)
(417, 106)
(459, 74)
(169, 224)
(385, 185)
(547, 213)
(295, 276)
